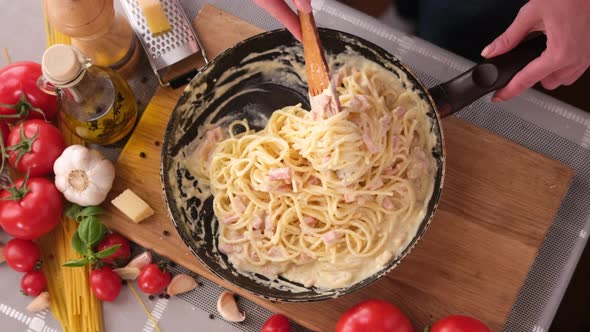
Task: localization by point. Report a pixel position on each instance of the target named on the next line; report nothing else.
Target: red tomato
(19, 89)
(122, 255)
(33, 283)
(4, 130)
(22, 255)
(459, 324)
(276, 323)
(34, 145)
(105, 284)
(374, 316)
(28, 211)
(152, 279)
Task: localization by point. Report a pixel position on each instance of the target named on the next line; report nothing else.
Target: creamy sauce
(323, 274)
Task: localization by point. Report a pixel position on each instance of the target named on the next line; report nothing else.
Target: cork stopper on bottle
(62, 64)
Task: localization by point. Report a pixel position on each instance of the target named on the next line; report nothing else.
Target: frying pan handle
(485, 77)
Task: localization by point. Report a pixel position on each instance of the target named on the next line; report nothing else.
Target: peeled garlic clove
(2, 258)
(128, 273)
(181, 283)
(40, 303)
(141, 261)
(228, 308)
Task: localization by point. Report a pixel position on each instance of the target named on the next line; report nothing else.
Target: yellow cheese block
(133, 206)
(155, 16)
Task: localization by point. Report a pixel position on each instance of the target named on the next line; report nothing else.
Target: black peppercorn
(211, 316)
(142, 154)
(166, 233)
(151, 297)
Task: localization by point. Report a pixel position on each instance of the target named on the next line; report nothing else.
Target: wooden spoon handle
(318, 77)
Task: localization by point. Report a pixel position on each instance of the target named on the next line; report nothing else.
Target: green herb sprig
(89, 234)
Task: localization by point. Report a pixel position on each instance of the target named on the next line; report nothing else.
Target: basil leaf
(107, 252)
(72, 212)
(91, 211)
(77, 262)
(77, 244)
(91, 231)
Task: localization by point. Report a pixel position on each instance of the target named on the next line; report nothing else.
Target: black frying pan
(259, 96)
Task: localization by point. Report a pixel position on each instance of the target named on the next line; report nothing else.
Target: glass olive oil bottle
(95, 103)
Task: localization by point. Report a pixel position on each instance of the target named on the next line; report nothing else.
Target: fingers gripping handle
(485, 77)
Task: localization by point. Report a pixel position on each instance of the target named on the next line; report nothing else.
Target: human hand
(566, 24)
(281, 11)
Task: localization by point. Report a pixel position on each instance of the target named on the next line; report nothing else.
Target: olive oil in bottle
(95, 103)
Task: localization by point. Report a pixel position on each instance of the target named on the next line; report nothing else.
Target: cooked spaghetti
(323, 198)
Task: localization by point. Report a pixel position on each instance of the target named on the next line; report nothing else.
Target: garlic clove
(128, 273)
(2, 258)
(141, 261)
(181, 283)
(40, 303)
(228, 308)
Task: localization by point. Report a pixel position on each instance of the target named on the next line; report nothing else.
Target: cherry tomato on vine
(105, 283)
(459, 324)
(122, 255)
(276, 323)
(22, 255)
(33, 283)
(153, 279)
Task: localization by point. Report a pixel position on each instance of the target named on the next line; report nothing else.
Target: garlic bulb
(84, 176)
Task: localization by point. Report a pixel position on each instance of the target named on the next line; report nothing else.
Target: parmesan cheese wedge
(133, 206)
(155, 16)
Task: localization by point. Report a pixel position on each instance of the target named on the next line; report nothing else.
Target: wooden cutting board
(498, 202)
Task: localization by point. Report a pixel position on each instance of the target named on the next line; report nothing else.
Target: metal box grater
(169, 48)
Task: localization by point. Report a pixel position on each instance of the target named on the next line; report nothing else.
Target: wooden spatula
(316, 67)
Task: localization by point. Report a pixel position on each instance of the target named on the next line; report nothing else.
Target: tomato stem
(23, 147)
(23, 108)
(163, 266)
(16, 194)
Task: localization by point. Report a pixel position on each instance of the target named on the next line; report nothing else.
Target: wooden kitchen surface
(498, 202)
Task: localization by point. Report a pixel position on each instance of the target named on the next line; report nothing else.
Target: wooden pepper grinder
(96, 30)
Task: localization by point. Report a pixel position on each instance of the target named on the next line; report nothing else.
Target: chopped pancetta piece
(258, 222)
(387, 203)
(228, 248)
(206, 147)
(314, 181)
(237, 204)
(349, 197)
(303, 258)
(324, 105)
(275, 252)
(284, 188)
(377, 183)
(396, 141)
(385, 122)
(230, 219)
(358, 103)
(371, 146)
(418, 164)
(331, 237)
(361, 200)
(356, 120)
(309, 221)
(400, 111)
(269, 224)
(282, 173)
